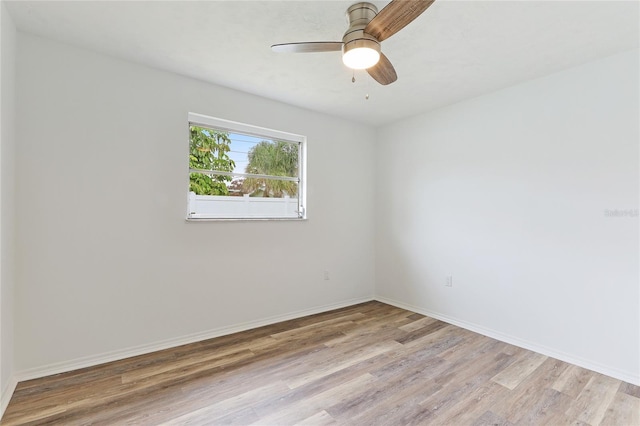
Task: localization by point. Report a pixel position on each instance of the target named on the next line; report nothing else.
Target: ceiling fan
(360, 44)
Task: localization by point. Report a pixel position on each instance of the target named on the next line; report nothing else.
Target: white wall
(103, 269)
(7, 204)
(510, 192)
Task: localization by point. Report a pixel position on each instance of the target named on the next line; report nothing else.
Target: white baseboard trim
(580, 362)
(7, 393)
(90, 361)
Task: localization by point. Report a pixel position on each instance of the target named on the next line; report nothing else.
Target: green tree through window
(208, 151)
(275, 158)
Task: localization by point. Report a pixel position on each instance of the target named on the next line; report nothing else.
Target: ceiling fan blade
(308, 47)
(383, 72)
(395, 16)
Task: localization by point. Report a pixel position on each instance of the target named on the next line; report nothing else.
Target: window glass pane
(237, 173)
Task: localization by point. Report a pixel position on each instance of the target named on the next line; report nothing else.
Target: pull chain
(368, 86)
(353, 80)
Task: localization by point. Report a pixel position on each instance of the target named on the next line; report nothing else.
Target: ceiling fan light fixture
(361, 54)
(360, 44)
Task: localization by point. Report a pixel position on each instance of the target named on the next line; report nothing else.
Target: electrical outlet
(449, 281)
(326, 275)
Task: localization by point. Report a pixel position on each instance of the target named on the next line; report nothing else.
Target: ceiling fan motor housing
(358, 16)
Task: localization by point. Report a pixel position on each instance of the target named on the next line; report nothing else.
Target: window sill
(247, 219)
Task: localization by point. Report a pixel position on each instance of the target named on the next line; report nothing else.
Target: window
(239, 171)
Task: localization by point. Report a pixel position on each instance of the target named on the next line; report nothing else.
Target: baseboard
(93, 360)
(7, 393)
(589, 365)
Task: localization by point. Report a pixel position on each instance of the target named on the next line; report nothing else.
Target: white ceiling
(455, 50)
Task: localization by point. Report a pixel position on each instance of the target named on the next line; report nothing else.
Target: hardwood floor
(368, 364)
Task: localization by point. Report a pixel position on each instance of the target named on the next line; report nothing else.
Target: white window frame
(248, 129)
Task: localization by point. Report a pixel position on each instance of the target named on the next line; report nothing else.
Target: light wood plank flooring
(368, 364)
